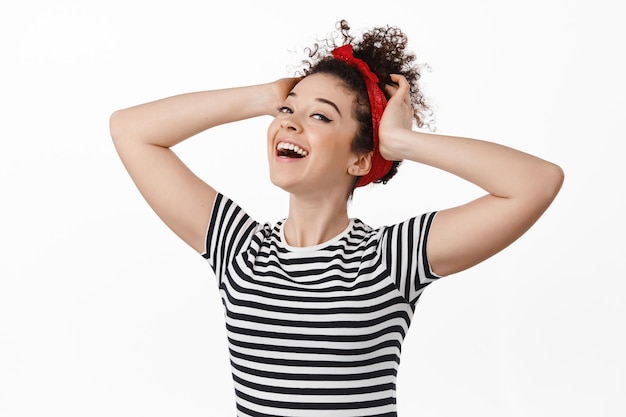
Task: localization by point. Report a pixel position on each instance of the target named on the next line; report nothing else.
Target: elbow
(557, 176)
(122, 128)
(550, 180)
(116, 125)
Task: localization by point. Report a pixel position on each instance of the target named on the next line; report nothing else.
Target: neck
(315, 220)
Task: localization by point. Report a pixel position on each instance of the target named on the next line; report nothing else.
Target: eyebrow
(321, 100)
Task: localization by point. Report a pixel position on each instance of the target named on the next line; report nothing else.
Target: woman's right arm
(144, 134)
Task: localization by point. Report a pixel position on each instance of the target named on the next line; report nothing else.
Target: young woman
(317, 305)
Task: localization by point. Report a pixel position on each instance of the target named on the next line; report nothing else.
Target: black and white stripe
(316, 331)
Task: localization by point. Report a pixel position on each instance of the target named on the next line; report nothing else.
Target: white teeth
(292, 147)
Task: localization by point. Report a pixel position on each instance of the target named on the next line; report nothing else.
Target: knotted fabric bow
(378, 102)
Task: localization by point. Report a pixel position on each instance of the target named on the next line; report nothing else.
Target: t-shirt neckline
(281, 233)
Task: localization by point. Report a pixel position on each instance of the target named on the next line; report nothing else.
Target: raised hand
(397, 119)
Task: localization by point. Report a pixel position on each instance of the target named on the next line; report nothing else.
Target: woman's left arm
(519, 187)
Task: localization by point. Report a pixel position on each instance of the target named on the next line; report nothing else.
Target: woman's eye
(321, 117)
(284, 109)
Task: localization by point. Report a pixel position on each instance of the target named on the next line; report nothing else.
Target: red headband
(380, 166)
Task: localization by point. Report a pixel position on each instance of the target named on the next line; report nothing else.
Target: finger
(391, 89)
(399, 93)
(403, 84)
(399, 79)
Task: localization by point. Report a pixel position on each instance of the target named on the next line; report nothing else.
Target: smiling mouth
(289, 150)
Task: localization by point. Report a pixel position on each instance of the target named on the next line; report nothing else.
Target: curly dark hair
(384, 51)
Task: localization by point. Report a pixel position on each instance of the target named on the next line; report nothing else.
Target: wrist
(394, 146)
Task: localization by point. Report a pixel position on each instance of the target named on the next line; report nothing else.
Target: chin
(286, 184)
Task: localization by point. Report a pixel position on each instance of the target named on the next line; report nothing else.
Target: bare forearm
(169, 121)
(500, 170)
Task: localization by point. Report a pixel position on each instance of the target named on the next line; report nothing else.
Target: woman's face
(310, 141)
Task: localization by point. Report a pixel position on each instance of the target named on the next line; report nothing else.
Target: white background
(104, 312)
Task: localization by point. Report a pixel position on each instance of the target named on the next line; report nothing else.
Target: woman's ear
(361, 165)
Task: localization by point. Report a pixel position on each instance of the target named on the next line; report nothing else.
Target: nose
(290, 123)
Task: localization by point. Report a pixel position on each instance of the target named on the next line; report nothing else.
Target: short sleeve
(229, 231)
(404, 249)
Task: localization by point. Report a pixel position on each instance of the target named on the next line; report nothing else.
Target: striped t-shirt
(316, 331)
